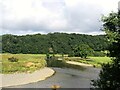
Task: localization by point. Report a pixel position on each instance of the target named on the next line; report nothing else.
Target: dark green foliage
(109, 77)
(98, 54)
(55, 62)
(47, 56)
(57, 42)
(82, 50)
(13, 59)
(52, 61)
(71, 54)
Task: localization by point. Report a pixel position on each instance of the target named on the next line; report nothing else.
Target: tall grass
(26, 63)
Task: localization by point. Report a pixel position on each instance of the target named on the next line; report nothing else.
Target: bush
(47, 56)
(13, 59)
(55, 63)
(108, 78)
(99, 54)
(71, 54)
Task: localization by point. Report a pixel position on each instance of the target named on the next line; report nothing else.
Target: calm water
(66, 78)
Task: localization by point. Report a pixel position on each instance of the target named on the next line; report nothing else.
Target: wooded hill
(59, 42)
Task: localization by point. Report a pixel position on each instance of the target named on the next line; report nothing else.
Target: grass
(31, 62)
(101, 59)
(63, 64)
(26, 63)
(95, 61)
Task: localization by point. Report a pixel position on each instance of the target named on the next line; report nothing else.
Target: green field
(26, 63)
(96, 61)
(31, 62)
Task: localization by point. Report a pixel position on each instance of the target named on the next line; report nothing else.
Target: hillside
(41, 43)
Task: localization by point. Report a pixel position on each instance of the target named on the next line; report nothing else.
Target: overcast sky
(45, 16)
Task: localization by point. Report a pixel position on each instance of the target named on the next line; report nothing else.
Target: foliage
(109, 75)
(13, 59)
(108, 78)
(52, 42)
(55, 62)
(71, 54)
(47, 56)
(82, 50)
(98, 54)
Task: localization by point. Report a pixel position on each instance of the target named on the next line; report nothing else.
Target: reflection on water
(66, 78)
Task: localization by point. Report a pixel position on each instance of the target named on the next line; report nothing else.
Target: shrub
(99, 54)
(56, 63)
(47, 56)
(71, 54)
(13, 59)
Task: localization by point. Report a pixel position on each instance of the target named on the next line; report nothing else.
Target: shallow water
(66, 78)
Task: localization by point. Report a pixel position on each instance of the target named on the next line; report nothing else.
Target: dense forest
(59, 42)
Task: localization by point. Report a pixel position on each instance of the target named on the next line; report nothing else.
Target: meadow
(95, 61)
(30, 62)
(26, 63)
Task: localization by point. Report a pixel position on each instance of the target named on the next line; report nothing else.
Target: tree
(82, 50)
(109, 77)
(59, 42)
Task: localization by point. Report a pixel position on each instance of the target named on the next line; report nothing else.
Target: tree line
(59, 42)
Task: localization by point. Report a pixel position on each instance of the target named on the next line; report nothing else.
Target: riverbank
(66, 78)
(25, 78)
(78, 63)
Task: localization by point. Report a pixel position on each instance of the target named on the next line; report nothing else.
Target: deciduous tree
(109, 77)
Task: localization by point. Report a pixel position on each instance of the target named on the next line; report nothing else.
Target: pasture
(95, 61)
(30, 62)
(26, 63)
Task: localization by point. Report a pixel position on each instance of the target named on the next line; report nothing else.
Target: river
(66, 78)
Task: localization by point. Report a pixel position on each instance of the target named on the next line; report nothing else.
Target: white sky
(44, 16)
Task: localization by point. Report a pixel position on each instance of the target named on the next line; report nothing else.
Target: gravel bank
(25, 78)
(66, 78)
(78, 63)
